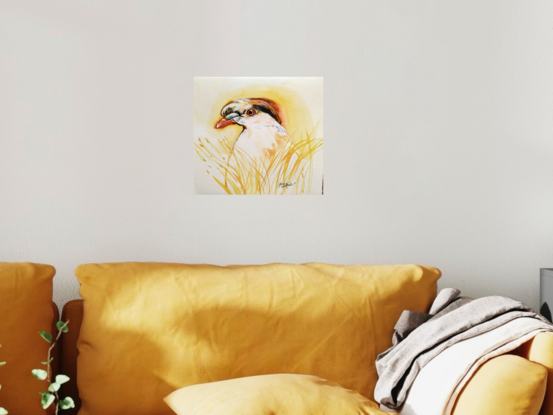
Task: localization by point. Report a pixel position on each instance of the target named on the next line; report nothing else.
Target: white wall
(438, 135)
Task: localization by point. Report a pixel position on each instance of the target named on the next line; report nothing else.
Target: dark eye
(251, 112)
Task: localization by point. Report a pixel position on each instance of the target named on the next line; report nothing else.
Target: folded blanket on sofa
(437, 386)
(419, 338)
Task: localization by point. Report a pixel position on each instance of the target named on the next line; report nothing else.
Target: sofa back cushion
(150, 328)
(25, 309)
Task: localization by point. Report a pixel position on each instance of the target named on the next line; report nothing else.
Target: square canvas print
(258, 136)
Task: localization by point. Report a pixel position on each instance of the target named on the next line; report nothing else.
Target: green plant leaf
(54, 387)
(62, 326)
(45, 335)
(47, 399)
(3, 411)
(67, 403)
(48, 361)
(39, 374)
(61, 379)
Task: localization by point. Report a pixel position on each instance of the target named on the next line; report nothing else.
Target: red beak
(223, 122)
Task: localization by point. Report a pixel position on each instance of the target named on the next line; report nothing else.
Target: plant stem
(48, 369)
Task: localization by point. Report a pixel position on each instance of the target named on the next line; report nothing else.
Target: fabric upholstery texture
(279, 394)
(25, 309)
(505, 385)
(151, 328)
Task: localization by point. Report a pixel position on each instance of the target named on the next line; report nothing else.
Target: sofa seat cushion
(280, 394)
(150, 328)
(25, 309)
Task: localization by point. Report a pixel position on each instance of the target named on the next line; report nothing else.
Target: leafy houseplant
(51, 396)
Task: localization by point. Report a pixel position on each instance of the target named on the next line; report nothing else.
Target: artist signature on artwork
(285, 185)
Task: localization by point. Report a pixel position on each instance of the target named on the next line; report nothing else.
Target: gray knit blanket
(419, 337)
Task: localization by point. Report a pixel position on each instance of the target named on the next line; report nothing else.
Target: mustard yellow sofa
(145, 330)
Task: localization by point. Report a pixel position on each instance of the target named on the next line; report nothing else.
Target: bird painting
(263, 134)
(258, 136)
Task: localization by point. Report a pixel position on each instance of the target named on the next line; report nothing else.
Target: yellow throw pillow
(505, 385)
(25, 308)
(151, 328)
(540, 350)
(270, 394)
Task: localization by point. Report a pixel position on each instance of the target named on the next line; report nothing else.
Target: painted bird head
(250, 111)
